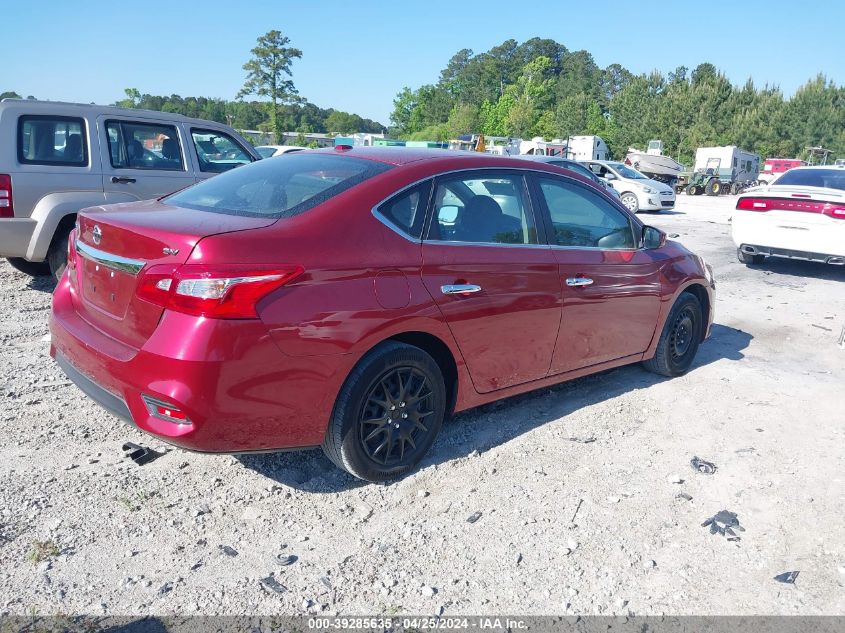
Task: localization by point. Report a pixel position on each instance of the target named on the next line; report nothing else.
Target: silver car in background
(578, 168)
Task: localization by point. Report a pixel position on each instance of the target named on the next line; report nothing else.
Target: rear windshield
(282, 187)
(830, 178)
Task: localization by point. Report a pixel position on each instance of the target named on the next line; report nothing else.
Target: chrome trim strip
(115, 262)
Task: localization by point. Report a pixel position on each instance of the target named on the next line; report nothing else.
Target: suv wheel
(680, 338)
(387, 414)
(35, 269)
(57, 255)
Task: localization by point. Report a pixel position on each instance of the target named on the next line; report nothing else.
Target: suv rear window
(52, 140)
(278, 188)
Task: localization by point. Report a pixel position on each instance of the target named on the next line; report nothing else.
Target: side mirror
(447, 215)
(653, 238)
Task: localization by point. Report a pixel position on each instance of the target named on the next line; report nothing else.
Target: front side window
(482, 209)
(144, 146)
(278, 188)
(52, 140)
(218, 152)
(580, 218)
(406, 211)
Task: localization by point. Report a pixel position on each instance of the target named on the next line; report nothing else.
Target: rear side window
(218, 152)
(282, 187)
(144, 146)
(52, 140)
(406, 211)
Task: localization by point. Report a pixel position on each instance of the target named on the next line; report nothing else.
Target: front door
(611, 288)
(495, 284)
(142, 159)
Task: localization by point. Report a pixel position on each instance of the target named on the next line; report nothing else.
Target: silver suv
(58, 158)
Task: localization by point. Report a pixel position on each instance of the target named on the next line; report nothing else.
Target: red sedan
(352, 299)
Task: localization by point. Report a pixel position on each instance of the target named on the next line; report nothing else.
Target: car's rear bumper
(795, 235)
(15, 235)
(786, 253)
(238, 390)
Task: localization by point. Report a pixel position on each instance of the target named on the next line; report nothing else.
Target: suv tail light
(7, 205)
(785, 204)
(227, 292)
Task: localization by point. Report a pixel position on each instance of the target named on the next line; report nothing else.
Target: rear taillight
(786, 204)
(227, 292)
(7, 205)
(71, 252)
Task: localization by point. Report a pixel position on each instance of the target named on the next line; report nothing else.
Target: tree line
(539, 88)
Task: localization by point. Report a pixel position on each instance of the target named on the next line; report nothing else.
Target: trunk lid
(116, 244)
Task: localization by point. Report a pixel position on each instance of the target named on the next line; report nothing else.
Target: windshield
(282, 187)
(829, 178)
(626, 172)
(580, 169)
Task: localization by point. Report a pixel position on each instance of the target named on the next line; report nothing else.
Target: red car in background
(353, 298)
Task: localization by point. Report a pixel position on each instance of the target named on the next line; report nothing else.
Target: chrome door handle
(459, 289)
(577, 282)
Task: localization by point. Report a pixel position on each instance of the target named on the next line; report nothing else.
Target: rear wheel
(387, 414)
(35, 269)
(680, 338)
(630, 201)
(713, 188)
(57, 255)
(748, 258)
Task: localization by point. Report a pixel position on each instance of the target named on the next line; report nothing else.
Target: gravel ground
(608, 524)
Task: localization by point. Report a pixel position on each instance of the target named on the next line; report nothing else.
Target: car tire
(630, 201)
(365, 436)
(748, 258)
(57, 255)
(34, 269)
(680, 338)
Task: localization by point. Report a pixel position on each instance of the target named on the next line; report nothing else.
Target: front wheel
(387, 414)
(680, 338)
(692, 190)
(34, 269)
(630, 201)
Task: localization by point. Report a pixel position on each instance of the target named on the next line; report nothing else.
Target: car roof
(804, 167)
(64, 107)
(546, 159)
(406, 155)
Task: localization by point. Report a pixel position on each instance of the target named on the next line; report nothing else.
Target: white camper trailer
(729, 163)
(587, 148)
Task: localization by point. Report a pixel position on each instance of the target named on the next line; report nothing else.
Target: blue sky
(358, 54)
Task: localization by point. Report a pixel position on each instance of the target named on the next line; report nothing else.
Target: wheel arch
(699, 292)
(442, 355)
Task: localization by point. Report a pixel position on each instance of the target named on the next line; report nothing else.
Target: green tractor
(706, 180)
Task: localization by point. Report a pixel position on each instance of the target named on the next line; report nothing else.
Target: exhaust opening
(836, 261)
(749, 249)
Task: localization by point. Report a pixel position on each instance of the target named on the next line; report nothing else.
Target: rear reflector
(219, 292)
(165, 411)
(7, 205)
(785, 204)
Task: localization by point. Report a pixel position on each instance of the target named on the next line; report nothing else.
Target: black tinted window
(52, 140)
(144, 146)
(407, 210)
(830, 178)
(582, 218)
(282, 187)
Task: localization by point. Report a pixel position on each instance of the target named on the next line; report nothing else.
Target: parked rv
(774, 167)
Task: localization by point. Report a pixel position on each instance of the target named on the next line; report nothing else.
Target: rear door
(611, 288)
(142, 159)
(495, 283)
